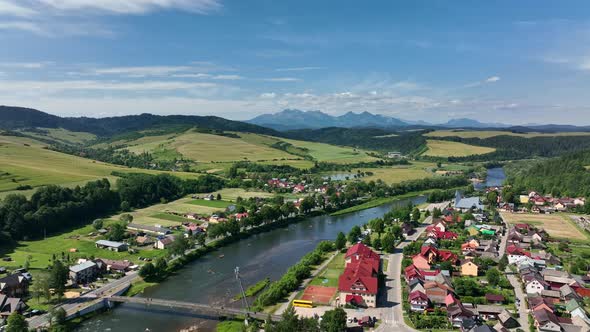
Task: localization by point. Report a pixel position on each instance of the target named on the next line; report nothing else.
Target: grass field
(211, 204)
(41, 251)
(24, 161)
(557, 225)
(453, 149)
(62, 135)
(492, 133)
(231, 194)
(332, 153)
(329, 276)
(396, 174)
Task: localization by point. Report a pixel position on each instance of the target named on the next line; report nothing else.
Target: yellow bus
(302, 303)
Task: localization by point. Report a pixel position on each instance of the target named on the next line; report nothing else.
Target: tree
(354, 234)
(40, 287)
(333, 321)
(397, 231)
(58, 277)
(179, 246)
(377, 243)
(201, 238)
(218, 197)
(16, 323)
(125, 206)
(388, 242)
(126, 218)
(436, 212)
(57, 317)
(148, 271)
(117, 231)
(98, 224)
(492, 198)
(340, 241)
(416, 214)
(161, 267)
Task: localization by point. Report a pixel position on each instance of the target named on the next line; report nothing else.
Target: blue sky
(496, 61)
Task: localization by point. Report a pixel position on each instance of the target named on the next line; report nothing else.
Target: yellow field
(454, 149)
(557, 225)
(492, 133)
(24, 161)
(397, 174)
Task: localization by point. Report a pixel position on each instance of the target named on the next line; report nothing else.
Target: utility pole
(244, 300)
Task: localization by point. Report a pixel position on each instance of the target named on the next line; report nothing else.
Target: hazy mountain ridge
(297, 119)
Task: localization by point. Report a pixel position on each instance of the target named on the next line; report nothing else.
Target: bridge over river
(195, 307)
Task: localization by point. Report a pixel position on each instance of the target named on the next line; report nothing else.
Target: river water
(210, 279)
(495, 178)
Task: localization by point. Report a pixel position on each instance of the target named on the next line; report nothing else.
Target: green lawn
(213, 204)
(329, 276)
(454, 149)
(171, 217)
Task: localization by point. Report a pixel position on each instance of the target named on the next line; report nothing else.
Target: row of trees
(53, 208)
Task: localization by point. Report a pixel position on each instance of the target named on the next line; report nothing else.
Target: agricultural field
(557, 224)
(61, 135)
(491, 133)
(231, 194)
(453, 149)
(25, 161)
(202, 147)
(332, 153)
(40, 252)
(396, 174)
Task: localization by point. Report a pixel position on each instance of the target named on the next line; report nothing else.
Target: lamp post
(244, 300)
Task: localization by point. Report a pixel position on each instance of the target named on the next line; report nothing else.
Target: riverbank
(371, 203)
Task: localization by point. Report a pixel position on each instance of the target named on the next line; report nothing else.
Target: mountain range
(291, 119)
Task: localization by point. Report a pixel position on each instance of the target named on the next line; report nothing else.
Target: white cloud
(228, 77)
(299, 69)
(119, 7)
(24, 26)
(24, 65)
(281, 79)
(492, 79)
(268, 95)
(9, 8)
(141, 71)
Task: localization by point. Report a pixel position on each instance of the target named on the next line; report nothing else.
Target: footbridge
(194, 307)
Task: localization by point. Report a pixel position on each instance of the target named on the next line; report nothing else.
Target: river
(210, 279)
(495, 178)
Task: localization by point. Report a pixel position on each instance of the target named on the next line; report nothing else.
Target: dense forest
(515, 147)
(366, 138)
(563, 176)
(53, 208)
(19, 117)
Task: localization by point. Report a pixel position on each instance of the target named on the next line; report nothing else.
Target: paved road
(74, 305)
(523, 312)
(393, 317)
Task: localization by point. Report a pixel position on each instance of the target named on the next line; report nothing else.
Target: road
(523, 313)
(393, 316)
(72, 306)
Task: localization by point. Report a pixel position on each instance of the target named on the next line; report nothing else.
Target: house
(421, 262)
(418, 301)
(535, 286)
(464, 204)
(84, 273)
(14, 285)
(472, 230)
(447, 256)
(568, 293)
(10, 305)
(437, 292)
(575, 310)
(546, 321)
(494, 298)
(411, 273)
(469, 268)
(507, 320)
(358, 287)
(120, 266)
(163, 242)
(538, 302)
(489, 312)
(111, 245)
(360, 251)
(144, 240)
(148, 229)
(482, 328)
(458, 314)
(439, 225)
(299, 188)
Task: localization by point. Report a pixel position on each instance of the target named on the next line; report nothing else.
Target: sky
(516, 62)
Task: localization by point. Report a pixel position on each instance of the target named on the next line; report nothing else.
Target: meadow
(397, 174)
(62, 135)
(27, 162)
(454, 149)
(332, 153)
(557, 224)
(491, 133)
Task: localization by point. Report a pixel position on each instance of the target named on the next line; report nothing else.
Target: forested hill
(407, 142)
(562, 176)
(18, 117)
